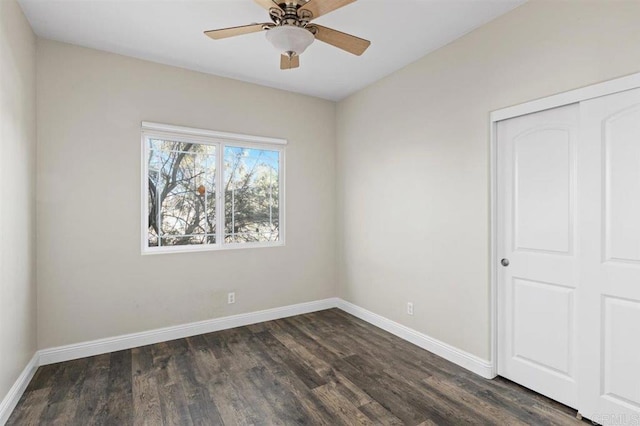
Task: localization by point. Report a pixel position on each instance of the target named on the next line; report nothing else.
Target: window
(206, 190)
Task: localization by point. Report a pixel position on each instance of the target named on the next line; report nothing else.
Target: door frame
(597, 90)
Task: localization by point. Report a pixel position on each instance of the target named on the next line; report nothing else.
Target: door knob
(505, 262)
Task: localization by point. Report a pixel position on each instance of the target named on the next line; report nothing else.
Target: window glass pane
(182, 198)
(251, 191)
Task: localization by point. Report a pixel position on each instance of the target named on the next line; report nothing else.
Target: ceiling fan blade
(288, 63)
(236, 31)
(344, 41)
(268, 4)
(317, 8)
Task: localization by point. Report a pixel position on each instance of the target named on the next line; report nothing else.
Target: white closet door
(609, 215)
(537, 234)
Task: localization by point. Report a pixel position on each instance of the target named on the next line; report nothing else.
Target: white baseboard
(97, 347)
(134, 340)
(462, 358)
(15, 393)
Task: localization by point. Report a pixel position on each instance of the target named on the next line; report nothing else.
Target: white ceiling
(170, 32)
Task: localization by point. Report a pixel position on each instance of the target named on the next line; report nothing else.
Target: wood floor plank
(307, 350)
(379, 415)
(202, 409)
(341, 407)
(44, 376)
(468, 398)
(119, 404)
(173, 405)
(92, 407)
(245, 386)
(68, 380)
(225, 397)
(141, 360)
(297, 386)
(286, 408)
(347, 388)
(171, 396)
(235, 407)
(231, 384)
(30, 408)
(324, 340)
(146, 401)
(218, 344)
(508, 398)
(395, 396)
(61, 413)
(322, 368)
(230, 347)
(300, 365)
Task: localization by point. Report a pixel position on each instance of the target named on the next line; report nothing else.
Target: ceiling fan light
(289, 38)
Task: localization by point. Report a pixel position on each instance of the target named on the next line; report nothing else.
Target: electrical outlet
(231, 298)
(410, 308)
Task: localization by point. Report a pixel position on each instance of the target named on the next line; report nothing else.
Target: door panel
(621, 319)
(541, 200)
(536, 232)
(622, 179)
(609, 214)
(543, 319)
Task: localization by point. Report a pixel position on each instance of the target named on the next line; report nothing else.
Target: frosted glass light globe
(289, 38)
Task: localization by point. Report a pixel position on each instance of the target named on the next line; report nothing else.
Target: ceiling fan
(291, 31)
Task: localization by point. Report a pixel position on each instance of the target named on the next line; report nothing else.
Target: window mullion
(219, 194)
(158, 212)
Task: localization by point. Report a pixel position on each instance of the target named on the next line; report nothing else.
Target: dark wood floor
(321, 368)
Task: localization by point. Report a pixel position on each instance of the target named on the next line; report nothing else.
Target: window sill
(210, 247)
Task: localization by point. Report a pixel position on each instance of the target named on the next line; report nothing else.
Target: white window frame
(220, 140)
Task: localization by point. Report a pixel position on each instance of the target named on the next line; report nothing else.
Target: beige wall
(413, 173)
(17, 194)
(411, 218)
(93, 282)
